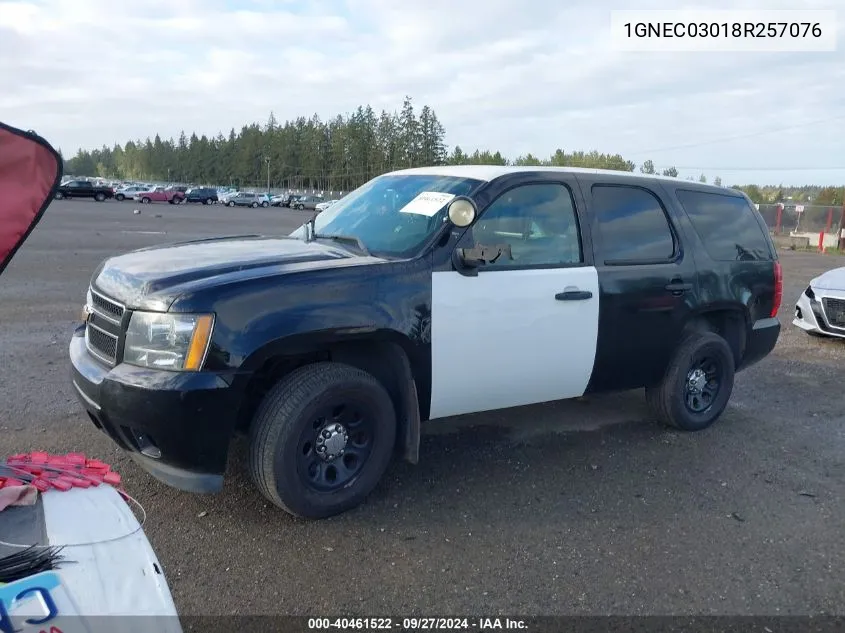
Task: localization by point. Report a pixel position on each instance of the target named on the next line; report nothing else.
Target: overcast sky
(501, 75)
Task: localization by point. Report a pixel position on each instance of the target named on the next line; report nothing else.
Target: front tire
(230, 204)
(208, 201)
(322, 439)
(265, 204)
(120, 197)
(697, 384)
(145, 200)
(100, 197)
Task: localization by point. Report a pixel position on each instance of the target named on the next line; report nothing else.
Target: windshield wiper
(343, 238)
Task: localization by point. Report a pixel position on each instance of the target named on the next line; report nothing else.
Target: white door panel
(501, 339)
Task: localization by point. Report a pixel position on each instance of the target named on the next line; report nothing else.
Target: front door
(523, 330)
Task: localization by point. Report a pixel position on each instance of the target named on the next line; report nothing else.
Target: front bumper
(177, 426)
(810, 316)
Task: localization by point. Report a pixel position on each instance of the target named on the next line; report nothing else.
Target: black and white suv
(426, 293)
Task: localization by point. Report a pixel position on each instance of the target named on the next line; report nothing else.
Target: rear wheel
(145, 200)
(100, 197)
(697, 385)
(120, 197)
(265, 204)
(59, 195)
(230, 204)
(254, 205)
(322, 439)
(208, 200)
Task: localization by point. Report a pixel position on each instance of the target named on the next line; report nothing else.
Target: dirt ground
(584, 507)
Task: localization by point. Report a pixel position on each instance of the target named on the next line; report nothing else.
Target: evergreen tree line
(309, 153)
(345, 152)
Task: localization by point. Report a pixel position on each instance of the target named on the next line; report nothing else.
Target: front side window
(632, 225)
(537, 221)
(392, 215)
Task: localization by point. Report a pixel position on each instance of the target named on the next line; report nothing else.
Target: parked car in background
(820, 310)
(306, 202)
(324, 205)
(127, 192)
(224, 196)
(245, 199)
(203, 195)
(282, 200)
(83, 189)
(159, 194)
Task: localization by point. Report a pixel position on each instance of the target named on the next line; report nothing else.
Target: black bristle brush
(28, 562)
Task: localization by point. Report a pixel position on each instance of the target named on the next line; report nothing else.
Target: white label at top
(427, 203)
(740, 31)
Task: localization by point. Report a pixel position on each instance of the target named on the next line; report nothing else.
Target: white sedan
(820, 309)
(322, 206)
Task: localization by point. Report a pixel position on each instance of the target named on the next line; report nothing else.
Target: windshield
(393, 215)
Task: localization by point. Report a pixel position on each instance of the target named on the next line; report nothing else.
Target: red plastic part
(38, 457)
(77, 459)
(11, 482)
(41, 485)
(60, 483)
(112, 478)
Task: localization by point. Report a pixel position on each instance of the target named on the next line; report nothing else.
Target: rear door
(521, 330)
(647, 279)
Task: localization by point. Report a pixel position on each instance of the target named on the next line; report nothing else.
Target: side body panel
(640, 318)
(506, 336)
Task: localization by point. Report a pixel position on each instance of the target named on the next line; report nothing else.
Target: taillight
(778, 289)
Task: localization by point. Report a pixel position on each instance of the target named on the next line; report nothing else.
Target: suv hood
(152, 278)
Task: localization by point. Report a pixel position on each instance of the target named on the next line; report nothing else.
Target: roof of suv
(491, 172)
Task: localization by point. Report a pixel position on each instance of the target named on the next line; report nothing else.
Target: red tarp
(30, 172)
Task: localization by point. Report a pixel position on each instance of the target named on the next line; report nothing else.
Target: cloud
(500, 75)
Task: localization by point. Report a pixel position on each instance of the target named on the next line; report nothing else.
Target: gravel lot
(584, 507)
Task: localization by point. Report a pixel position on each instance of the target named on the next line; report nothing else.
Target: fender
(387, 354)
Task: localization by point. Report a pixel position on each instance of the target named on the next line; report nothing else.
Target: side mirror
(462, 211)
(468, 260)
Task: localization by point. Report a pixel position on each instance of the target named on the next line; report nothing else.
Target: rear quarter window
(727, 225)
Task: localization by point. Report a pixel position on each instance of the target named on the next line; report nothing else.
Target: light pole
(267, 160)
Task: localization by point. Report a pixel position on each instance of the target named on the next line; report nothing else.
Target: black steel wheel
(697, 384)
(322, 439)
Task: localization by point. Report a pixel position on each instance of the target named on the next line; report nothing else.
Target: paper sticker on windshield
(427, 203)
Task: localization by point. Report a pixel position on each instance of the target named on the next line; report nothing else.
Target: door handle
(677, 286)
(574, 295)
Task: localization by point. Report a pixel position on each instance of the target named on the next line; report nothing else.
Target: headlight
(168, 341)
(809, 292)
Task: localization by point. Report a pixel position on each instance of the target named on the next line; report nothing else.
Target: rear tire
(59, 195)
(208, 200)
(294, 433)
(265, 204)
(697, 384)
(230, 204)
(100, 197)
(120, 197)
(145, 200)
(254, 205)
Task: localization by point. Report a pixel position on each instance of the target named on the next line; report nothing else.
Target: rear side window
(632, 225)
(726, 225)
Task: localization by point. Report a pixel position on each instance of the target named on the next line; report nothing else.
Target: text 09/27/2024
(724, 31)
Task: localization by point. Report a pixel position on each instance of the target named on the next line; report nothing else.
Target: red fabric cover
(30, 170)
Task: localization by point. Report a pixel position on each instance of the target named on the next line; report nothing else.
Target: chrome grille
(835, 311)
(106, 307)
(103, 328)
